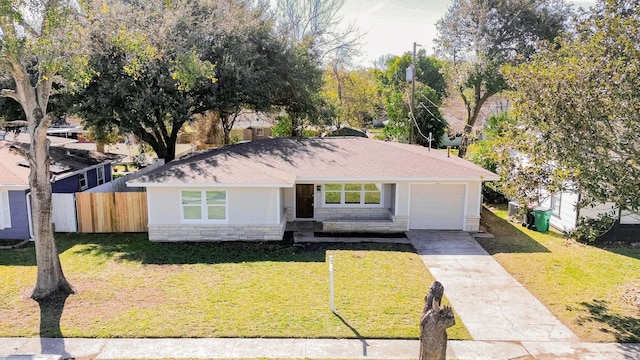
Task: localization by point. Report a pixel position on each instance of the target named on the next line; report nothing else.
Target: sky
(392, 26)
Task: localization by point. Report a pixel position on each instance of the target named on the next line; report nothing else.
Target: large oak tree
(478, 36)
(40, 42)
(147, 60)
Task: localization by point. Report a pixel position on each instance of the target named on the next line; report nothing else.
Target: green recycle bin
(542, 217)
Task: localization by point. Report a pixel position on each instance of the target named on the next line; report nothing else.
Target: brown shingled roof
(282, 162)
(11, 173)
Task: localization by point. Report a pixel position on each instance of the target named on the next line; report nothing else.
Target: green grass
(129, 287)
(586, 287)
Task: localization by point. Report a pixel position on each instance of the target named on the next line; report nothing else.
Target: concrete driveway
(490, 302)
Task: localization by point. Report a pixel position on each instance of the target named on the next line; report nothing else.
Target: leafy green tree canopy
(578, 106)
(429, 90)
(146, 63)
(354, 94)
(428, 72)
(478, 36)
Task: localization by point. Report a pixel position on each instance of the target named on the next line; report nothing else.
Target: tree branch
(8, 93)
(43, 91)
(19, 151)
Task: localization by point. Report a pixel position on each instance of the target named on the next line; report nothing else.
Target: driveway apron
(490, 302)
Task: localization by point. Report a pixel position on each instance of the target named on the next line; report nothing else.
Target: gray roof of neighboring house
(282, 162)
(14, 168)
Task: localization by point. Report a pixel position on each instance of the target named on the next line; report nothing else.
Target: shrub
(589, 230)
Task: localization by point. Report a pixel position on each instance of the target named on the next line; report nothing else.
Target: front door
(304, 201)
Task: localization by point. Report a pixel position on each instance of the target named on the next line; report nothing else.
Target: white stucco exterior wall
(253, 205)
(474, 199)
(163, 205)
(402, 199)
(246, 206)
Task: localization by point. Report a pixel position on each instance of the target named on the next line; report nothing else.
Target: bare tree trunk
(433, 325)
(227, 121)
(296, 125)
(50, 279)
(34, 99)
(465, 141)
(473, 111)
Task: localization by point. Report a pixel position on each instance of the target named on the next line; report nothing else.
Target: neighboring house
(566, 213)
(248, 126)
(251, 126)
(71, 171)
(129, 151)
(250, 191)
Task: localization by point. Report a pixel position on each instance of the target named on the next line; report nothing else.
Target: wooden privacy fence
(112, 212)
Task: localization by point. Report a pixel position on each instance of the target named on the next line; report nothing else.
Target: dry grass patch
(586, 287)
(129, 287)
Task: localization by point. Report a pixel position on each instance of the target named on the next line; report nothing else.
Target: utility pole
(412, 132)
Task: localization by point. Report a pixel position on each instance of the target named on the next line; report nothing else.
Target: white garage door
(437, 207)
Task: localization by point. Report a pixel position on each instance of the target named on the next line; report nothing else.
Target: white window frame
(82, 181)
(259, 132)
(204, 207)
(363, 192)
(5, 210)
(100, 175)
(556, 203)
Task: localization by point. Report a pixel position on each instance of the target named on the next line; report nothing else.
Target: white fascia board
(82, 171)
(393, 179)
(207, 185)
(14, 187)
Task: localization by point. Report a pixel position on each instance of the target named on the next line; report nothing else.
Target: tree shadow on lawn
(26, 255)
(625, 329)
(51, 339)
(508, 239)
(137, 247)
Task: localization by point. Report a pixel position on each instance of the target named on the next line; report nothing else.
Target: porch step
(309, 237)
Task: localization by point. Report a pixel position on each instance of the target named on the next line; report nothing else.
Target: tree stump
(433, 325)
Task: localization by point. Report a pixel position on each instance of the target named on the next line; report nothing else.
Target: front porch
(316, 231)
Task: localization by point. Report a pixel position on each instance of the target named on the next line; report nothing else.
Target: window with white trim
(259, 132)
(100, 174)
(204, 205)
(353, 194)
(82, 181)
(5, 210)
(555, 203)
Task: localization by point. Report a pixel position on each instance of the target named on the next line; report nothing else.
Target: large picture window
(204, 205)
(352, 194)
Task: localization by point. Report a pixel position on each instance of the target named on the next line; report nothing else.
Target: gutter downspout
(29, 217)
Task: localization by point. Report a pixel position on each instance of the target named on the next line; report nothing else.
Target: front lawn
(595, 292)
(129, 287)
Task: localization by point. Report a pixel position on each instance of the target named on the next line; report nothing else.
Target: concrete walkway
(490, 302)
(19, 348)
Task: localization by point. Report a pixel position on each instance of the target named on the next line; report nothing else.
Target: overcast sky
(391, 26)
